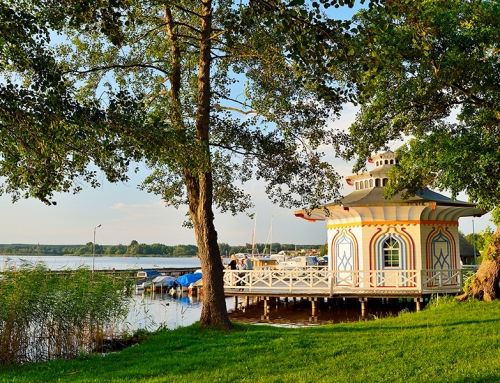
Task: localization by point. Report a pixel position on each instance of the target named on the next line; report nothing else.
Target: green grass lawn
(449, 342)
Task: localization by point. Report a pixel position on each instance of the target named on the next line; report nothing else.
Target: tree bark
(486, 282)
(214, 311)
(200, 193)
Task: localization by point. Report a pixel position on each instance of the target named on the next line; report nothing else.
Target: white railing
(321, 281)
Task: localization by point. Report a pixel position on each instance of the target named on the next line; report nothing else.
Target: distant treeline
(142, 249)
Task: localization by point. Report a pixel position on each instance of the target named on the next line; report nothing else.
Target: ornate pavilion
(398, 244)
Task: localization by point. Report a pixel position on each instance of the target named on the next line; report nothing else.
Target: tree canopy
(48, 138)
(210, 94)
(427, 72)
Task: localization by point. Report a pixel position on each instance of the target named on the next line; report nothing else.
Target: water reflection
(152, 311)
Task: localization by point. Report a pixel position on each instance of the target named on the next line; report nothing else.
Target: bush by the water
(48, 315)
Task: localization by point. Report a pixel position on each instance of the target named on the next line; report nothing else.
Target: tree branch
(116, 66)
(228, 108)
(177, 23)
(187, 10)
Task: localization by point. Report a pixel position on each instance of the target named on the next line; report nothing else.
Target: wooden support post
(313, 317)
(235, 303)
(278, 302)
(286, 302)
(266, 309)
(417, 301)
(363, 306)
(247, 301)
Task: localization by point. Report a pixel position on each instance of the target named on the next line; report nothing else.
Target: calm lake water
(102, 263)
(145, 311)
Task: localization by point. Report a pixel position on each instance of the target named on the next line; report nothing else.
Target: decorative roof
(369, 195)
(375, 197)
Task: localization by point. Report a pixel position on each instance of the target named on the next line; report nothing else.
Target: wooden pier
(317, 283)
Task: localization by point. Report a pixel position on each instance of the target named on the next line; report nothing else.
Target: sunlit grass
(453, 342)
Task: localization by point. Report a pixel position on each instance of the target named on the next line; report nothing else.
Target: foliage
(47, 315)
(428, 72)
(323, 250)
(156, 80)
(482, 239)
(48, 139)
(280, 128)
(143, 249)
(451, 341)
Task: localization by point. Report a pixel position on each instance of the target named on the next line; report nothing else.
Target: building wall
(360, 246)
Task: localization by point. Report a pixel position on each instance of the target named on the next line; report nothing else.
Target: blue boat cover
(151, 273)
(187, 279)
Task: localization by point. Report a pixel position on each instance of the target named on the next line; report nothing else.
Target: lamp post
(474, 240)
(93, 248)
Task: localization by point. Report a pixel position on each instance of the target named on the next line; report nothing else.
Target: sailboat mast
(271, 235)
(253, 234)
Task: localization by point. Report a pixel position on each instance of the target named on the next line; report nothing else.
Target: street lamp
(93, 248)
(474, 240)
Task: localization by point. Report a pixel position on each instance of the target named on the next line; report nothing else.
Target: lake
(102, 263)
(145, 311)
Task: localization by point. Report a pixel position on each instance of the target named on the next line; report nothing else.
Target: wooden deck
(319, 282)
(316, 283)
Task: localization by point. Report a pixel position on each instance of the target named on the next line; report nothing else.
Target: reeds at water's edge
(46, 315)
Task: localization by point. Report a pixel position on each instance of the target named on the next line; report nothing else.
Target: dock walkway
(316, 283)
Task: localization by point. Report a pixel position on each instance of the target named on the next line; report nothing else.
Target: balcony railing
(322, 281)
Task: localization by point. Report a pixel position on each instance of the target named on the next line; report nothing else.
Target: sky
(126, 213)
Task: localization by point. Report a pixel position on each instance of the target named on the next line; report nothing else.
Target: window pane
(391, 253)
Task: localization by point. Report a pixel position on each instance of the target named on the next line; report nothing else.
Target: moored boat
(146, 277)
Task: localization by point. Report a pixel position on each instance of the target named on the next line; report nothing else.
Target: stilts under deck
(315, 283)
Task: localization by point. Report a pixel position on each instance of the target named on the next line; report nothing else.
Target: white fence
(318, 280)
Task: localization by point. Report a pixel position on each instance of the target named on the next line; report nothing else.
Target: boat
(184, 281)
(142, 284)
(299, 262)
(196, 288)
(162, 282)
(146, 276)
(263, 262)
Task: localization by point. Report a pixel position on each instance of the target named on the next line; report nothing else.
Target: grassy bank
(450, 342)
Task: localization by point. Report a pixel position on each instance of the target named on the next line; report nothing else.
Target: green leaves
(416, 68)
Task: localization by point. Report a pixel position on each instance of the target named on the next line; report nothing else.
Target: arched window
(361, 185)
(371, 183)
(392, 162)
(391, 252)
(357, 186)
(377, 182)
(376, 163)
(386, 162)
(366, 184)
(384, 181)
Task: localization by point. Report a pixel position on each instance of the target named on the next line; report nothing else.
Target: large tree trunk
(200, 193)
(485, 284)
(214, 311)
